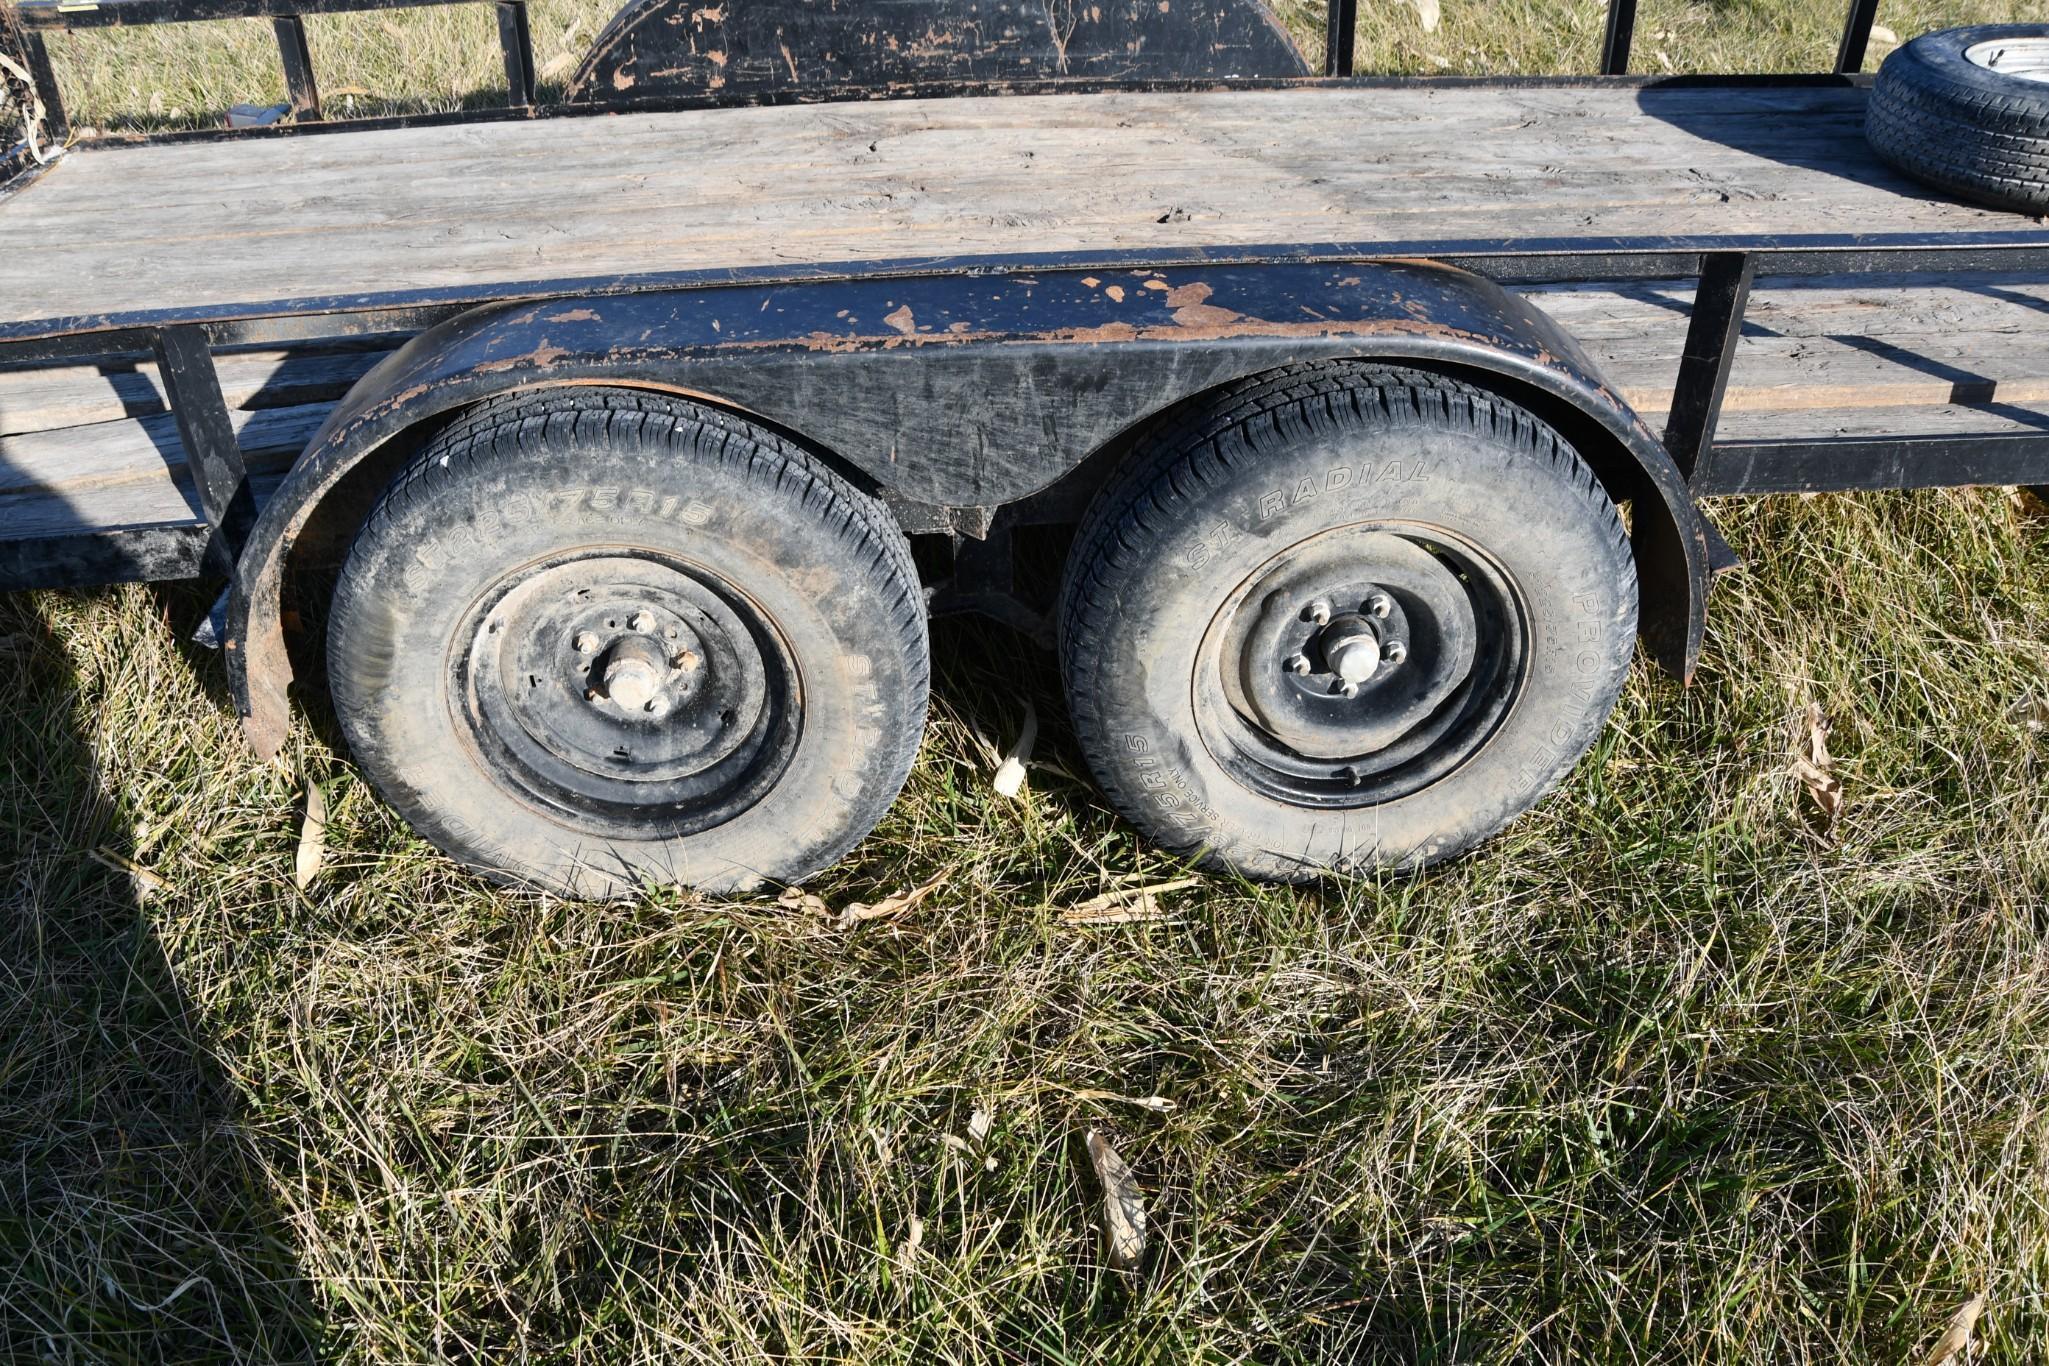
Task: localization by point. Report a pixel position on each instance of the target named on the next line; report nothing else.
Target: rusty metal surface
(751, 48)
(975, 391)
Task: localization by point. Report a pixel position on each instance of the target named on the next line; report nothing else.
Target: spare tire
(1967, 110)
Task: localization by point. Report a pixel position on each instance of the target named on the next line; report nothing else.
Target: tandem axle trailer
(602, 432)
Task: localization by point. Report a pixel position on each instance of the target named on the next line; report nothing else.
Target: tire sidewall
(415, 576)
(1571, 575)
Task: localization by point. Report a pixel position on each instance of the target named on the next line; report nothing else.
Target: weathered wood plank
(1842, 354)
(1944, 419)
(40, 400)
(152, 502)
(122, 230)
(83, 462)
(41, 516)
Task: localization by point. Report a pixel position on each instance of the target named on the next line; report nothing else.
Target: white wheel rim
(2023, 59)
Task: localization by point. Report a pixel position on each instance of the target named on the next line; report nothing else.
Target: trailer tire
(597, 639)
(1221, 590)
(1953, 109)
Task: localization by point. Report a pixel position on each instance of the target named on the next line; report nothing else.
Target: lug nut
(686, 662)
(1298, 664)
(1380, 604)
(1395, 652)
(1349, 689)
(586, 643)
(1318, 612)
(591, 694)
(643, 621)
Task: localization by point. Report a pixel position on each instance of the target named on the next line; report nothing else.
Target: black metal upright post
(1616, 38)
(515, 38)
(298, 61)
(1711, 337)
(1340, 34)
(56, 127)
(185, 365)
(1856, 35)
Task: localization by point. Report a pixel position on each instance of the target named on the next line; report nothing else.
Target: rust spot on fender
(573, 315)
(903, 320)
(542, 355)
(1203, 315)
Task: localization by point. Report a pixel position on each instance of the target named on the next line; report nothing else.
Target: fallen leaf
(1663, 60)
(312, 838)
(147, 884)
(1957, 1336)
(1125, 904)
(1144, 906)
(907, 1251)
(1010, 774)
(1123, 1204)
(859, 911)
(557, 65)
(1159, 1105)
(1812, 765)
(797, 899)
(1429, 12)
(978, 1125)
(1881, 34)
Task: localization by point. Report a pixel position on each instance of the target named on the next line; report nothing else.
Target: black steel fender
(971, 391)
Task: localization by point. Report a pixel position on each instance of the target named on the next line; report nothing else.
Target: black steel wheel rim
(1361, 665)
(626, 693)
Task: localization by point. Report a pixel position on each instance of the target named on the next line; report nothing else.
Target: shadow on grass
(135, 1223)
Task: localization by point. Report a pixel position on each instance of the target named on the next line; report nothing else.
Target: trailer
(624, 445)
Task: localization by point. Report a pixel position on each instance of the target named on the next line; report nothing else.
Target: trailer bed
(300, 223)
(238, 224)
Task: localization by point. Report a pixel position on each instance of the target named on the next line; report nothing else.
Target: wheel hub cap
(627, 686)
(1357, 664)
(2024, 59)
(1351, 647)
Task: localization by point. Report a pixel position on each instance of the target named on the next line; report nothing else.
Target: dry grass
(1663, 1074)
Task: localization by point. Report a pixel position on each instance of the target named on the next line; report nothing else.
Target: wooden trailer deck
(238, 226)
